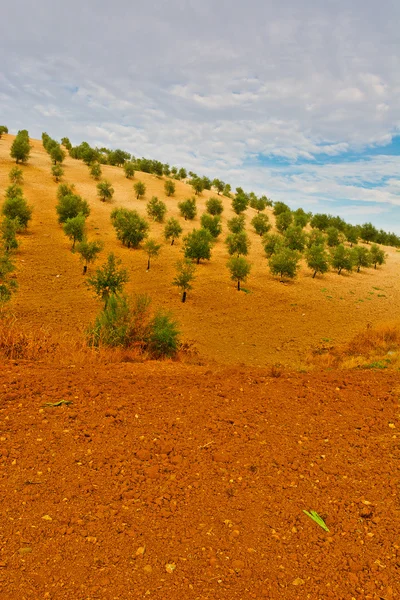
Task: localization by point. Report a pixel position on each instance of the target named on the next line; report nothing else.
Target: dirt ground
(167, 480)
(162, 480)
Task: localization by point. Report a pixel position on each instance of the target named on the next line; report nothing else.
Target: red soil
(210, 471)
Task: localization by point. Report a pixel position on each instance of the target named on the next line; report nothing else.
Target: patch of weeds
(381, 295)
(351, 292)
(245, 290)
(323, 290)
(378, 364)
(329, 297)
(371, 293)
(326, 339)
(376, 288)
(360, 300)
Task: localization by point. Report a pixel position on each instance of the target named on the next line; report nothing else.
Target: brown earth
(208, 471)
(169, 480)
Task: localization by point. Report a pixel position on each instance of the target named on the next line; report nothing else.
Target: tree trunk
(184, 296)
(375, 266)
(315, 272)
(198, 261)
(340, 270)
(85, 269)
(172, 243)
(148, 264)
(238, 285)
(358, 268)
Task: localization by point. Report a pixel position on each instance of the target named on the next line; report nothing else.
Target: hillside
(272, 323)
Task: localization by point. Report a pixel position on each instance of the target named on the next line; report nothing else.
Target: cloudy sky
(298, 100)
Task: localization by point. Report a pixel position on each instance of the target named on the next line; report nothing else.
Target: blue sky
(300, 101)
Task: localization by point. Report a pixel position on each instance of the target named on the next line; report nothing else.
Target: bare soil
(208, 471)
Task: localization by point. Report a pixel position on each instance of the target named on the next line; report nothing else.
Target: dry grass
(374, 347)
(17, 342)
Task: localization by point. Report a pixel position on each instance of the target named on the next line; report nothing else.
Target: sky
(296, 100)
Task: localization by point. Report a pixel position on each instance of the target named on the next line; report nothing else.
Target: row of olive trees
(16, 214)
(72, 211)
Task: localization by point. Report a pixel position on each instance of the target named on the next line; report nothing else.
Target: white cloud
(182, 82)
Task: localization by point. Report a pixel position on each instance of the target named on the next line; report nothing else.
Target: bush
(71, 206)
(122, 324)
(163, 340)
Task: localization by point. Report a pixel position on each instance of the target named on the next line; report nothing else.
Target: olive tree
(172, 230)
(88, 252)
(131, 228)
(317, 259)
(185, 270)
(342, 258)
(361, 257)
(197, 245)
(16, 176)
(152, 250)
(105, 190)
(188, 209)
(378, 256)
(156, 209)
(239, 268)
(214, 206)
(70, 206)
(129, 169)
(74, 229)
(169, 188)
(57, 171)
(95, 171)
(18, 208)
(109, 279)
(284, 262)
(140, 189)
(238, 243)
(261, 223)
(212, 224)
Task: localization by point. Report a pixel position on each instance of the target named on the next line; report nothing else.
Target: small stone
(392, 426)
(237, 565)
(23, 551)
(47, 518)
(140, 551)
(147, 569)
(170, 567)
(298, 581)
